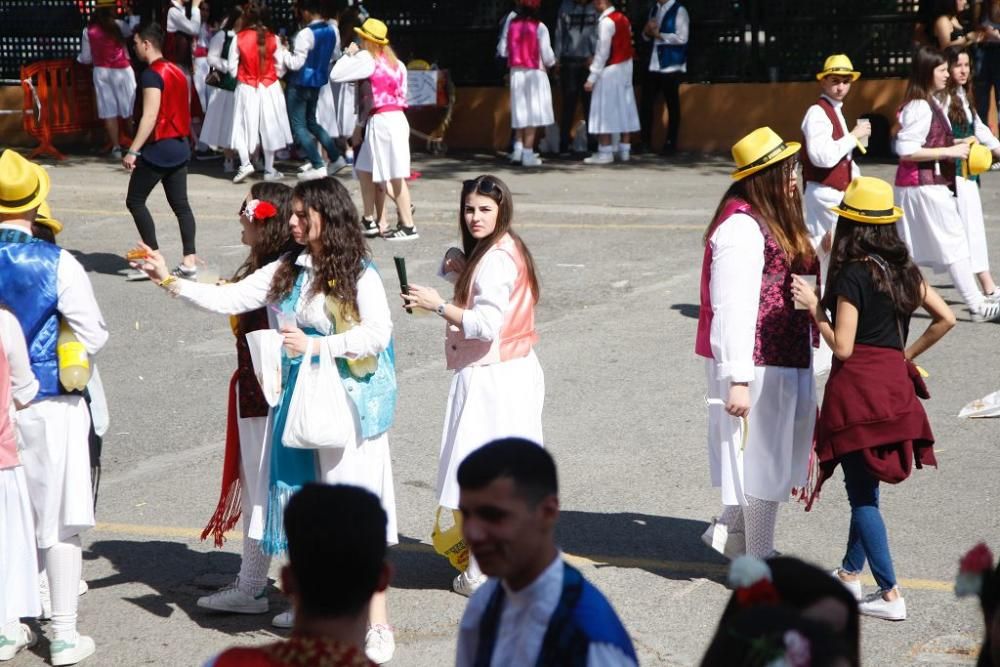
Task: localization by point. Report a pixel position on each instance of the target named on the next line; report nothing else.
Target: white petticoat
(326, 111)
(205, 92)
(18, 557)
(612, 105)
(255, 471)
(385, 152)
(260, 118)
(115, 91)
(217, 130)
(530, 98)
(776, 456)
(485, 403)
(367, 464)
(931, 226)
(970, 207)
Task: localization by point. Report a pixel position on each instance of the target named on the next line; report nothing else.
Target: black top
(166, 152)
(876, 314)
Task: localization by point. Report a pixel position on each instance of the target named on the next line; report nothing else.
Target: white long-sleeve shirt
(523, 622)
(76, 302)
(305, 41)
(824, 151)
(358, 67)
(177, 20)
(502, 42)
(367, 339)
(737, 272)
(679, 37)
(85, 57)
(915, 123)
(491, 290)
(23, 383)
(215, 59)
(605, 33)
(981, 130)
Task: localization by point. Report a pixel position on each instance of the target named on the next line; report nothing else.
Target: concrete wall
(714, 116)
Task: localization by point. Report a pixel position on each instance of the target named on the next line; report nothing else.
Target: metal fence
(731, 40)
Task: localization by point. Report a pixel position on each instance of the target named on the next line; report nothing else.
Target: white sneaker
(9, 646)
(333, 167)
(624, 156)
(995, 294)
(515, 156)
(878, 607)
(466, 585)
(70, 653)
(853, 586)
(600, 157)
(305, 166)
(273, 175)
(231, 599)
(530, 159)
(241, 173)
(380, 644)
(284, 620)
(312, 174)
(988, 311)
(718, 537)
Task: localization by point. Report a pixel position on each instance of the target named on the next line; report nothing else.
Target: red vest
(839, 176)
(174, 117)
(249, 71)
(621, 42)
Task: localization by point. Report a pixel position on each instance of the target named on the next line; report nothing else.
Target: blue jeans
(867, 537)
(301, 103)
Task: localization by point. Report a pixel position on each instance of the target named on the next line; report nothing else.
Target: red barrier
(58, 99)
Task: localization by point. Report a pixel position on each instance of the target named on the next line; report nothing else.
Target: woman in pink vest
(757, 346)
(18, 561)
(529, 55)
(103, 46)
(925, 182)
(498, 388)
(261, 118)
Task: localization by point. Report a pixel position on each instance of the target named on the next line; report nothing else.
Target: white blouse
(824, 151)
(370, 337)
(215, 59)
(982, 132)
(737, 272)
(23, 383)
(358, 67)
(491, 290)
(915, 123)
(605, 33)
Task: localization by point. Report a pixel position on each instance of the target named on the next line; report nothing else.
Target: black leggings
(144, 178)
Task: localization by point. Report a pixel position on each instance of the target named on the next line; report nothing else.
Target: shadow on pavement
(687, 309)
(418, 567)
(101, 262)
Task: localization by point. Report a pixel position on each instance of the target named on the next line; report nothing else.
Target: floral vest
(388, 86)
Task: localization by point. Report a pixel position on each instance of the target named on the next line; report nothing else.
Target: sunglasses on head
(484, 186)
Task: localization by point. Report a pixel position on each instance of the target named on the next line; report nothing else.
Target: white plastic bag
(987, 406)
(319, 414)
(265, 355)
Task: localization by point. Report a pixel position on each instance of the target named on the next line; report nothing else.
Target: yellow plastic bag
(449, 542)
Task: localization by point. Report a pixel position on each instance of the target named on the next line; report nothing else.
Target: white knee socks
(244, 156)
(965, 283)
(253, 569)
(268, 161)
(63, 564)
(760, 517)
(732, 518)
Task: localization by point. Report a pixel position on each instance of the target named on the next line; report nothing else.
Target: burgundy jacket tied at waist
(784, 334)
(939, 172)
(839, 175)
(871, 405)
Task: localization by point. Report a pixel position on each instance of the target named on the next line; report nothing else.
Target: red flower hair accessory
(972, 569)
(751, 578)
(259, 210)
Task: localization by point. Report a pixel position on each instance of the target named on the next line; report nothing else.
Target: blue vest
(316, 71)
(670, 54)
(582, 617)
(28, 270)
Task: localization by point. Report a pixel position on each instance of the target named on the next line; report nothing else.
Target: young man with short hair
(536, 609)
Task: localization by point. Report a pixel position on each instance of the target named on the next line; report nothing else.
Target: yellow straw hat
(980, 159)
(759, 149)
(44, 217)
(869, 200)
(374, 31)
(23, 184)
(838, 64)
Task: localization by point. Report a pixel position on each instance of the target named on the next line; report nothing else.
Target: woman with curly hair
(333, 294)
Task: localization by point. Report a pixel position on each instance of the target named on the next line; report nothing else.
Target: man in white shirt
(535, 608)
(46, 287)
(667, 29)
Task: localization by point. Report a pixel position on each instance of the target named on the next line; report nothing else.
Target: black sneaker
(370, 227)
(402, 233)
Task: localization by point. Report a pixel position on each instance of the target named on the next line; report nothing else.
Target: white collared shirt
(824, 151)
(76, 302)
(177, 20)
(915, 125)
(679, 37)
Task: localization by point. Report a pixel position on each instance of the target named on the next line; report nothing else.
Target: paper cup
(864, 121)
(285, 320)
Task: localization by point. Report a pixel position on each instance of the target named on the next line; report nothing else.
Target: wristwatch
(440, 309)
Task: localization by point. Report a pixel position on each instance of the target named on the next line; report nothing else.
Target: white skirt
(347, 117)
(612, 105)
(255, 471)
(385, 152)
(217, 130)
(530, 98)
(819, 199)
(261, 118)
(970, 207)
(776, 456)
(115, 92)
(485, 403)
(931, 226)
(205, 91)
(56, 457)
(366, 464)
(18, 557)
(326, 111)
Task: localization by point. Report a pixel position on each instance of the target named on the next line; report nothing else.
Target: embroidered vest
(939, 172)
(8, 443)
(105, 50)
(783, 334)
(517, 334)
(582, 617)
(522, 43)
(28, 274)
(174, 116)
(316, 70)
(838, 176)
(249, 71)
(621, 42)
(670, 54)
(388, 86)
(295, 651)
(251, 396)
